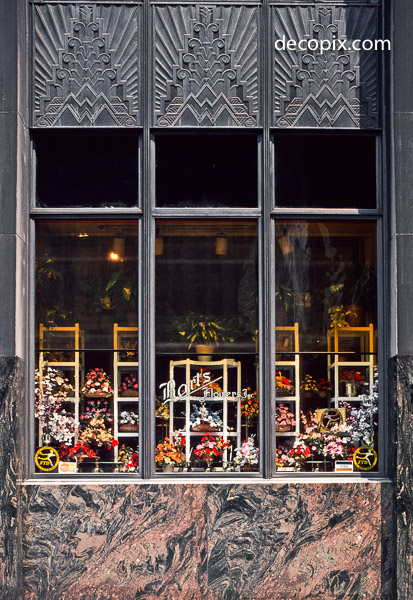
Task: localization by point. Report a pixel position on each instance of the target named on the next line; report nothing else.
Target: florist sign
(201, 382)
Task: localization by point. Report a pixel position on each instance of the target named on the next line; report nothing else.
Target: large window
(209, 316)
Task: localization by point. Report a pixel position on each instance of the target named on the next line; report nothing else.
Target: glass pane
(326, 340)
(325, 171)
(206, 170)
(87, 371)
(77, 170)
(206, 346)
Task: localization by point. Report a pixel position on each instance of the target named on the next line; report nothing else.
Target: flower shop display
(51, 391)
(284, 418)
(96, 403)
(128, 460)
(128, 421)
(204, 419)
(283, 385)
(309, 385)
(210, 448)
(250, 405)
(353, 382)
(97, 384)
(247, 455)
(96, 434)
(169, 453)
(129, 386)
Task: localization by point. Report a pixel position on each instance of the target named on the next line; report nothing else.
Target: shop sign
(344, 466)
(172, 394)
(365, 458)
(46, 458)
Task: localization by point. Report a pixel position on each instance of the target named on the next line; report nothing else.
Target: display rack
(363, 339)
(75, 341)
(282, 334)
(216, 366)
(120, 367)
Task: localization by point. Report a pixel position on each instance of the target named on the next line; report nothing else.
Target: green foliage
(200, 329)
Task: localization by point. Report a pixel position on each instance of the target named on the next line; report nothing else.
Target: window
(200, 329)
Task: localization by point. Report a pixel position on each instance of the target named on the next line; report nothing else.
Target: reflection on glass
(206, 336)
(87, 380)
(326, 339)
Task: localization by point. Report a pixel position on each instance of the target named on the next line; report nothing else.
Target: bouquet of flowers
(203, 419)
(129, 421)
(97, 384)
(129, 386)
(50, 391)
(299, 452)
(324, 385)
(80, 451)
(309, 384)
(169, 453)
(250, 405)
(351, 376)
(283, 385)
(162, 410)
(247, 454)
(96, 433)
(210, 448)
(283, 457)
(284, 418)
(94, 404)
(129, 459)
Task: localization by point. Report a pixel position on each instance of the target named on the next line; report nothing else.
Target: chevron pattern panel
(86, 65)
(205, 72)
(336, 88)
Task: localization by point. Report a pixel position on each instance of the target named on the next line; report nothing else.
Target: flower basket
(129, 428)
(129, 393)
(280, 429)
(97, 394)
(204, 427)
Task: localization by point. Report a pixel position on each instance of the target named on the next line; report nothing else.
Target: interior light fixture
(118, 251)
(285, 244)
(221, 245)
(158, 246)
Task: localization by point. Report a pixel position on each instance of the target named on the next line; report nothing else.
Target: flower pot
(282, 429)
(324, 394)
(129, 393)
(351, 389)
(204, 352)
(97, 394)
(203, 427)
(129, 428)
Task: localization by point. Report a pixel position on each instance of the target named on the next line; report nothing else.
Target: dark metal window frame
(266, 214)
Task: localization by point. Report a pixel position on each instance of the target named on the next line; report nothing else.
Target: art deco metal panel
(335, 88)
(205, 71)
(86, 65)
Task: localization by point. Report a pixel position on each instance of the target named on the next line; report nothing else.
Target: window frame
(266, 214)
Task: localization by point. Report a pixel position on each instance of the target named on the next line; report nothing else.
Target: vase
(168, 468)
(351, 389)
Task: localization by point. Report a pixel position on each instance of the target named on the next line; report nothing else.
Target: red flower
(115, 443)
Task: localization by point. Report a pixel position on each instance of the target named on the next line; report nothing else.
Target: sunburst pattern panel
(335, 88)
(86, 65)
(205, 72)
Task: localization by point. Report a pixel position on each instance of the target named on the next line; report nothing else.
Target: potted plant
(353, 382)
(283, 385)
(250, 405)
(324, 387)
(284, 418)
(205, 332)
(309, 386)
(210, 448)
(339, 316)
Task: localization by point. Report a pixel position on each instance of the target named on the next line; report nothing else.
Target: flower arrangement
(363, 419)
(80, 450)
(129, 421)
(94, 404)
(308, 384)
(312, 436)
(50, 392)
(128, 459)
(97, 434)
(250, 405)
(129, 386)
(210, 448)
(324, 385)
(283, 385)
(162, 410)
(282, 457)
(352, 376)
(247, 454)
(284, 418)
(203, 419)
(299, 452)
(97, 383)
(169, 453)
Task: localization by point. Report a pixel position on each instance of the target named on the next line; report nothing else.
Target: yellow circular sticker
(365, 458)
(46, 458)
